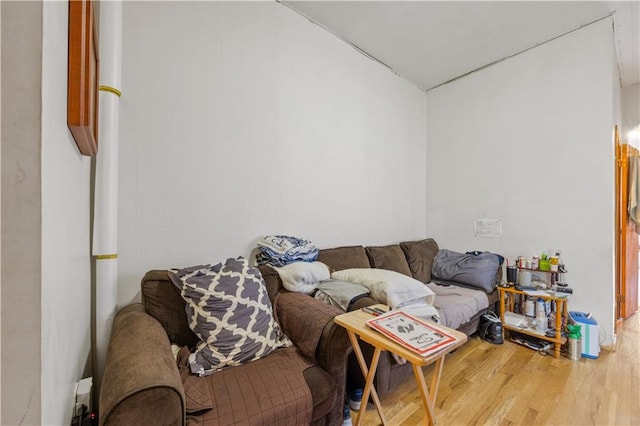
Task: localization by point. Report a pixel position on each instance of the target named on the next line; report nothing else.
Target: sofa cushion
(324, 391)
(271, 280)
(229, 310)
(161, 299)
(272, 390)
(419, 255)
(388, 257)
(197, 398)
(344, 258)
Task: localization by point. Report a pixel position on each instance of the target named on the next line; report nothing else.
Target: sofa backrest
(388, 257)
(162, 299)
(344, 258)
(412, 258)
(419, 256)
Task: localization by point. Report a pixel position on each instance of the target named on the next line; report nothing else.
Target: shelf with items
(564, 271)
(541, 278)
(512, 300)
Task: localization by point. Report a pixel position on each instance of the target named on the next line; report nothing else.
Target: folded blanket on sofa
(280, 250)
(339, 293)
(457, 304)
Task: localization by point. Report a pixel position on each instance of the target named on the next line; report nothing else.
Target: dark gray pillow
(229, 310)
(474, 270)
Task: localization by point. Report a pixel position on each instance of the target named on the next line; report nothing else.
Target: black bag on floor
(490, 328)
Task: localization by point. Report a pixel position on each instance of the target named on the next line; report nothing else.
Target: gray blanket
(457, 305)
(339, 293)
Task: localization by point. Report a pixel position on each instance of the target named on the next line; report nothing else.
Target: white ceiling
(432, 42)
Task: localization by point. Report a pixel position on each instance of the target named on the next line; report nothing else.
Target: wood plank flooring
(508, 384)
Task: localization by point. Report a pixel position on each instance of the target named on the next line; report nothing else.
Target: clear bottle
(535, 262)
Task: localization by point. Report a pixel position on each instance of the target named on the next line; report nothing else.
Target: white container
(524, 278)
(530, 308)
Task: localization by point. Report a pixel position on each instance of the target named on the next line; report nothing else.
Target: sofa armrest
(141, 383)
(309, 324)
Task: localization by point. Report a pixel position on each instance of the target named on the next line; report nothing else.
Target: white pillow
(389, 287)
(303, 277)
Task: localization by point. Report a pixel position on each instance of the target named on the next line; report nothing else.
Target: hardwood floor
(509, 384)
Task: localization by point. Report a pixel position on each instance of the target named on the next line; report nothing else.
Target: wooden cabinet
(509, 298)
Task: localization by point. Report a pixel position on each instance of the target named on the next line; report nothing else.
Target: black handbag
(490, 328)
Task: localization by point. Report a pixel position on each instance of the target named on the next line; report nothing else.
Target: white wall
(630, 112)
(45, 217)
(66, 261)
(529, 140)
(240, 120)
(21, 202)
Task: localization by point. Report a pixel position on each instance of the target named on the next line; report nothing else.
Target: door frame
(626, 284)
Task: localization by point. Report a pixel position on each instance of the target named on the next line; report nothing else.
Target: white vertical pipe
(105, 224)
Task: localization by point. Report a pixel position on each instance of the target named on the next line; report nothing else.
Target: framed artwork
(82, 82)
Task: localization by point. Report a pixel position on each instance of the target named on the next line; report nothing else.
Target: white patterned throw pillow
(394, 289)
(229, 309)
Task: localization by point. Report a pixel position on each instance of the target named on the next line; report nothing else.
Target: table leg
(429, 398)
(502, 295)
(369, 373)
(558, 337)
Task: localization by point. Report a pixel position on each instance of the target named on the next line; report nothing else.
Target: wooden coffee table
(354, 323)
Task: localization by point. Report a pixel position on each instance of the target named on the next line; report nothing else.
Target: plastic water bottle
(346, 418)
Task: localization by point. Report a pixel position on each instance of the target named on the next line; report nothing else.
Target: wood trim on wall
(82, 83)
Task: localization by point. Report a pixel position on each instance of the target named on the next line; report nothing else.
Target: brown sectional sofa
(143, 385)
(412, 258)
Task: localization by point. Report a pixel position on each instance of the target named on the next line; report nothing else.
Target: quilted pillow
(229, 310)
(303, 277)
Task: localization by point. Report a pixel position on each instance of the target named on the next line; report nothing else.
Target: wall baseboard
(613, 346)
